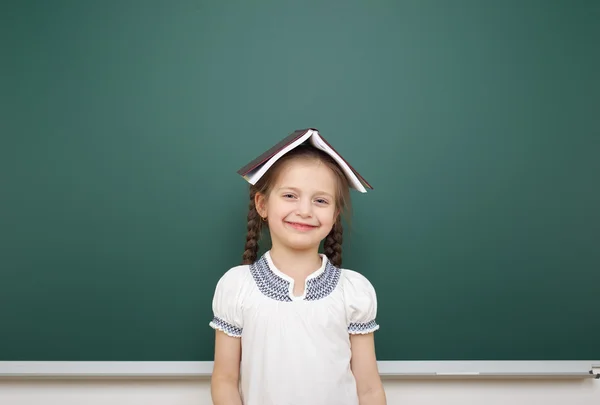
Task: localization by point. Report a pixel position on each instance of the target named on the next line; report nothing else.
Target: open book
(254, 170)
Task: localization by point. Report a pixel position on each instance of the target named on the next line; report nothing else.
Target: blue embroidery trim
(268, 282)
(274, 287)
(324, 284)
(362, 328)
(229, 329)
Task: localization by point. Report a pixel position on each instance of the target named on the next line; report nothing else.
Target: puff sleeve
(361, 303)
(227, 303)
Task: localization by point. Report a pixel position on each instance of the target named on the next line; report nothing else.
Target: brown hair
(332, 246)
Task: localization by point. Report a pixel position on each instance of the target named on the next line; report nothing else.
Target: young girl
(292, 326)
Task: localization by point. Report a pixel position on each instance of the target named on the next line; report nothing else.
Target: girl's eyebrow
(297, 190)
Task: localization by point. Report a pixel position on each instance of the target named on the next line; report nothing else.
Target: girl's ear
(260, 204)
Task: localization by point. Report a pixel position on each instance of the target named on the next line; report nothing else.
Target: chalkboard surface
(124, 122)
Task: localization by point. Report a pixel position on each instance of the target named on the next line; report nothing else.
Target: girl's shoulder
(235, 277)
(360, 301)
(228, 300)
(353, 280)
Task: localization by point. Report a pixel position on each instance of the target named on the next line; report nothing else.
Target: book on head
(253, 171)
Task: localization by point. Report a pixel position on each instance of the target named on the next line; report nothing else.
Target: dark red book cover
(272, 151)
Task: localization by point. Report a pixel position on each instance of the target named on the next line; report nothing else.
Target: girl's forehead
(306, 173)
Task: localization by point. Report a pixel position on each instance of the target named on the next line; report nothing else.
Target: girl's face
(301, 206)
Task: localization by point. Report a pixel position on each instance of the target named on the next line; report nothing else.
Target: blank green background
(124, 122)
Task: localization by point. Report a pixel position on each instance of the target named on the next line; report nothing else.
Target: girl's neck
(296, 263)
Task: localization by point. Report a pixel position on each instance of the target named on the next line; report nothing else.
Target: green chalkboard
(124, 122)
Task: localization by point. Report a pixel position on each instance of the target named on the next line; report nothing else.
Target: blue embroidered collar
(278, 286)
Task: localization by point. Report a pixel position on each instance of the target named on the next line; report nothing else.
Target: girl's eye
(288, 196)
(321, 201)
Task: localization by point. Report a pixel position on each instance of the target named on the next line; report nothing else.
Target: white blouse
(295, 349)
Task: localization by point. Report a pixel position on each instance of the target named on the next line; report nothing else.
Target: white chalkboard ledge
(388, 369)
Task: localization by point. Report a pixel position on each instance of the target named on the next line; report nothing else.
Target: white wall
(197, 392)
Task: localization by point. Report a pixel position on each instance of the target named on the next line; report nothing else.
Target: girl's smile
(300, 226)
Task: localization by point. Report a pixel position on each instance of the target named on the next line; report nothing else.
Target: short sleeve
(227, 302)
(361, 303)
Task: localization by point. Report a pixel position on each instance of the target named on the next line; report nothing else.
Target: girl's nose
(305, 208)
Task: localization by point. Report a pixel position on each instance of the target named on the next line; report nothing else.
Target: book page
(318, 143)
(253, 176)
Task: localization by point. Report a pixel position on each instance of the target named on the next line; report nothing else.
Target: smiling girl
(293, 326)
